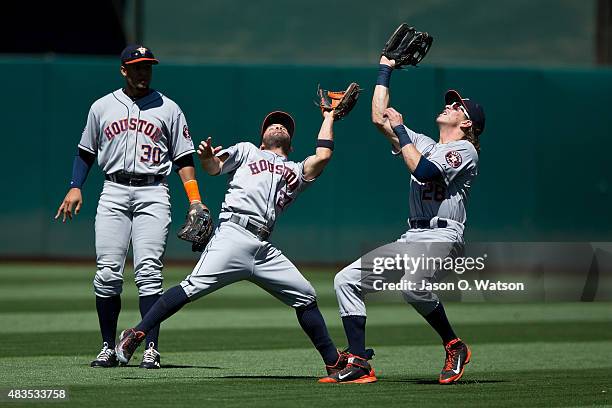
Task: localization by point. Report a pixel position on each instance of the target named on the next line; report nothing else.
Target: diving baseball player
(262, 184)
(136, 134)
(442, 174)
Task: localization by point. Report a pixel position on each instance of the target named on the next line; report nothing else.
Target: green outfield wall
(543, 32)
(545, 161)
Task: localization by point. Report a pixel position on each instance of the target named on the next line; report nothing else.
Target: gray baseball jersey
(139, 137)
(261, 185)
(447, 198)
(458, 163)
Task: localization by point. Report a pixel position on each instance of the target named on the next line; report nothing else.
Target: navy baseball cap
(281, 117)
(137, 53)
(474, 110)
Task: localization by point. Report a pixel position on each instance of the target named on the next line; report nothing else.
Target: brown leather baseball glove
(340, 102)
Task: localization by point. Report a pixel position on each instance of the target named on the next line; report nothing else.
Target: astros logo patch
(186, 134)
(453, 159)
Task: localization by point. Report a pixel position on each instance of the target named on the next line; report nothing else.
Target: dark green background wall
(544, 165)
(517, 32)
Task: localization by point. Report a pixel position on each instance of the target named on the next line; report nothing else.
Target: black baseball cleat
(129, 340)
(106, 358)
(150, 358)
(343, 357)
(458, 354)
(357, 371)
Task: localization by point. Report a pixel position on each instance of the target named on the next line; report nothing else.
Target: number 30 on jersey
(150, 154)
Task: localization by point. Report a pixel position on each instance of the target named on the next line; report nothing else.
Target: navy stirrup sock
(167, 305)
(145, 303)
(354, 327)
(313, 324)
(438, 320)
(108, 309)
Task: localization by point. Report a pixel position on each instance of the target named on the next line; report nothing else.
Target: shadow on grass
(435, 382)
(190, 366)
(165, 366)
(419, 381)
(157, 379)
(269, 377)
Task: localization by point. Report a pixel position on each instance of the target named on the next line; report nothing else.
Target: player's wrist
(192, 190)
(384, 75)
(386, 61)
(402, 135)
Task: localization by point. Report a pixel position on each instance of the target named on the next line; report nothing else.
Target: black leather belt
(134, 180)
(260, 231)
(426, 224)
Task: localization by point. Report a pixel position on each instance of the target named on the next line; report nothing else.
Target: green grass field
(241, 347)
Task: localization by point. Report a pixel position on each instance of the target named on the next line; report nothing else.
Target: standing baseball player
(137, 134)
(441, 176)
(262, 183)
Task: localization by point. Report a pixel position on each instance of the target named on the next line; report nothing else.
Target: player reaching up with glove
(262, 183)
(442, 174)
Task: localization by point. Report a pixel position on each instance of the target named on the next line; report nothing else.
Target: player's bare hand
(206, 151)
(74, 197)
(395, 118)
(386, 61)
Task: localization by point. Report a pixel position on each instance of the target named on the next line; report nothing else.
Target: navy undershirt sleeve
(426, 171)
(83, 161)
(185, 161)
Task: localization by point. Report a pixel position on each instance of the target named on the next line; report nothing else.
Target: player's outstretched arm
(314, 165)
(83, 161)
(380, 101)
(208, 159)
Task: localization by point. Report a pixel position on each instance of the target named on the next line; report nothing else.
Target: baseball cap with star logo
(475, 110)
(137, 53)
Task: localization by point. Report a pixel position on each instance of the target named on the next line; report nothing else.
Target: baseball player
(136, 134)
(441, 176)
(262, 183)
